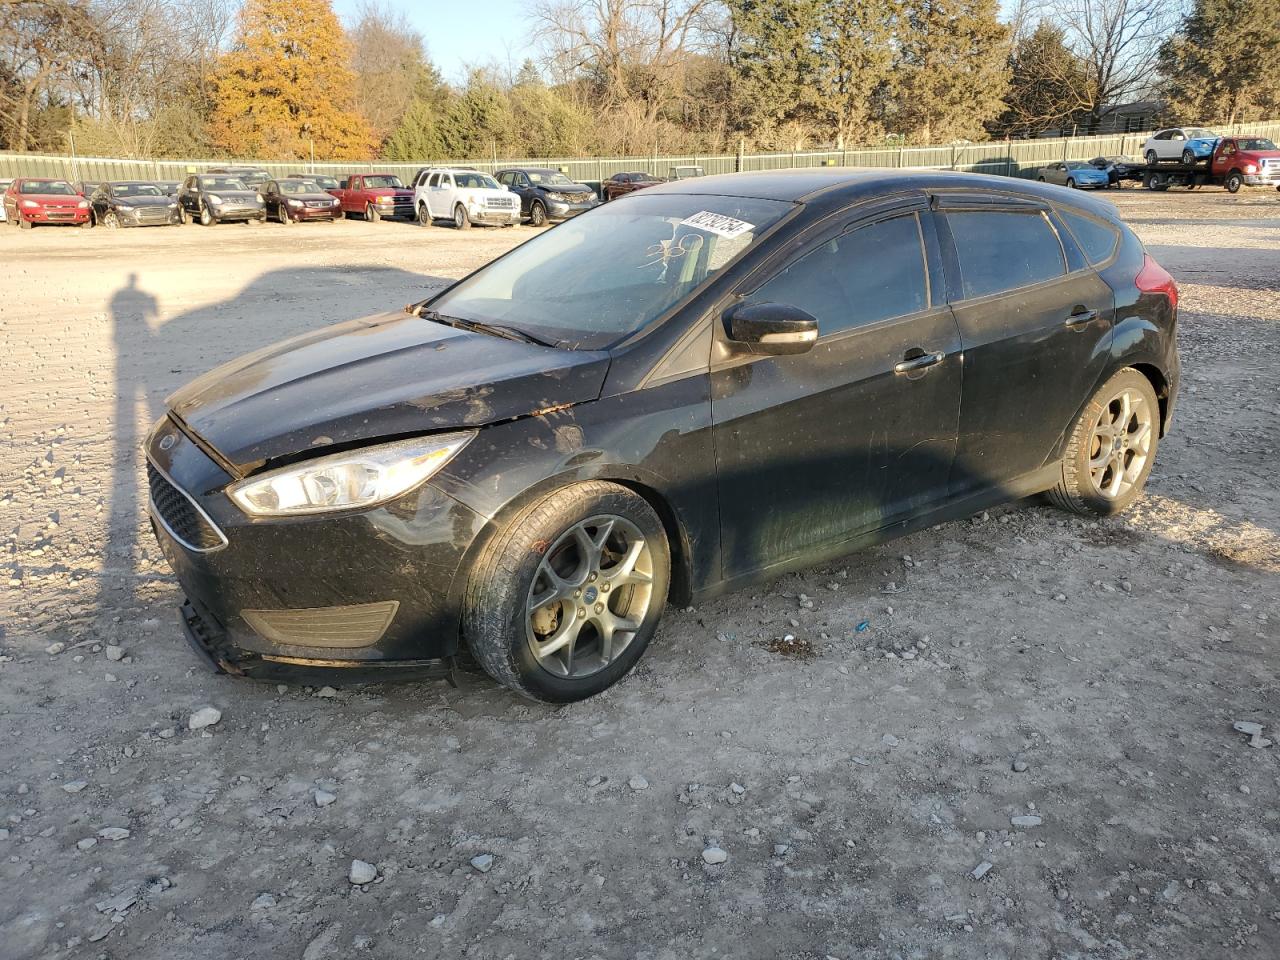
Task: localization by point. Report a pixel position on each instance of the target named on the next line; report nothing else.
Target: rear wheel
(1234, 181)
(1111, 448)
(564, 599)
(461, 219)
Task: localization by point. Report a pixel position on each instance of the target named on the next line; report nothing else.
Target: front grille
(319, 204)
(499, 202)
(153, 214)
(180, 515)
(580, 197)
(58, 215)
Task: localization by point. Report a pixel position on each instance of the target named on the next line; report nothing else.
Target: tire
(1234, 182)
(424, 215)
(207, 219)
(371, 214)
(110, 220)
(1151, 158)
(537, 214)
(461, 219)
(1071, 183)
(1106, 463)
(282, 215)
(1040, 179)
(87, 225)
(24, 224)
(1188, 158)
(501, 632)
(183, 219)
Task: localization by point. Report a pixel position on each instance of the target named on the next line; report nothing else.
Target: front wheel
(1071, 183)
(1234, 182)
(282, 215)
(424, 215)
(1151, 157)
(371, 214)
(566, 596)
(111, 220)
(537, 214)
(1111, 448)
(461, 219)
(207, 219)
(24, 224)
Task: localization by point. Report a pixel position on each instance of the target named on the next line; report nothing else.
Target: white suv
(465, 197)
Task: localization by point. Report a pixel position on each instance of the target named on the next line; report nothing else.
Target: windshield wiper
(493, 329)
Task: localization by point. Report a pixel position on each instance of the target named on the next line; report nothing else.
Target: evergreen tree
(1048, 85)
(953, 69)
(1223, 65)
(286, 82)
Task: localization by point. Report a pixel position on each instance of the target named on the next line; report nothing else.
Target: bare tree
(1118, 42)
(390, 65)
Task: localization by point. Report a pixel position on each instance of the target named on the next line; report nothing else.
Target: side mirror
(771, 329)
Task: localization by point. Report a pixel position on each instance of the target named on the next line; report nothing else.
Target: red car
(624, 183)
(1246, 161)
(374, 196)
(32, 200)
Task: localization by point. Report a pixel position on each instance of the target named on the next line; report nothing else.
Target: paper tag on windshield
(718, 224)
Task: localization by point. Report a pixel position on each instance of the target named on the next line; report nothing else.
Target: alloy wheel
(589, 596)
(111, 221)
(1121, 443)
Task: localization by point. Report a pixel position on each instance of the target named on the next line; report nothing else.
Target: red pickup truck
(374, 196)
(1236, 162)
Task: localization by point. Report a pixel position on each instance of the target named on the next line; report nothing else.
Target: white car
(465, 197)
(4, 185)
(1188, 144)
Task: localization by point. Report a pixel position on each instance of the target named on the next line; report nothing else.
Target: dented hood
(384, 376)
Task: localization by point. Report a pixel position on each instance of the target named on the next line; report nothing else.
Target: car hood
(387, 191)
(143, 201)
(306, 196)
(249, 195)
(566, 188)
(384, 376)
(50, 198)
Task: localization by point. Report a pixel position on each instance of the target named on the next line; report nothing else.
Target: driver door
(818, 448)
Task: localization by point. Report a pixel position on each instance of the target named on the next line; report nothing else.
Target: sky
(459, 34)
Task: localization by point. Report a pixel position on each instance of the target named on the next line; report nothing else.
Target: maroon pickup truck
(375, 196)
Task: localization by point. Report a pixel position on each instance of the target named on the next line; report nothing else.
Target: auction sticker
(718, 224)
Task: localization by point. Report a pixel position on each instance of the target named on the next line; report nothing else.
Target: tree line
(286, 79)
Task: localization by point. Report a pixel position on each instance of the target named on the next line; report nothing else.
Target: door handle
(918, 363)
(1080, 316)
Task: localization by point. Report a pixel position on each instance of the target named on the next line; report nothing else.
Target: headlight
(124, 208)
(1250, 168)
(30, 204)
(386, 200)
(214, 198)
(258, 197)
(294, 203)
(558, 197)
(83, 204)
(344, 481)
(173, 205)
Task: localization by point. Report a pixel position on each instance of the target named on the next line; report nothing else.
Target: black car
(319, 179)
(251, 177)
(212, 198)
(133, 203)
(687, 390)
(169, 187)
(1119, 169)
(547, 195)
(294, 200)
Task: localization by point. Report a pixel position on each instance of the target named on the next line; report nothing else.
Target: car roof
(851, 183)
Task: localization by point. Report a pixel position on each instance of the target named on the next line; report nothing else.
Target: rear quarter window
(1002, 250)
(1097, 239)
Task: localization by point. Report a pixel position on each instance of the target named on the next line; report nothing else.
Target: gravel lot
(1019, 664)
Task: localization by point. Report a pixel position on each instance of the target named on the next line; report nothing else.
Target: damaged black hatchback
(694, 387)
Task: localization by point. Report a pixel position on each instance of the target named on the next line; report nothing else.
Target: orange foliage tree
(286, 82)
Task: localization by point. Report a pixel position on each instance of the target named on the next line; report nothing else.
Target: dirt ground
(1019, 664)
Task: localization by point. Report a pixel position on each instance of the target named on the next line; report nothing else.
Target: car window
(1002, 250)
(48, 188)
(371, 183)
(1096, 239)
(873, 273)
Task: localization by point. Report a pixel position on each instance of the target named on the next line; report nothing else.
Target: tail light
(1153, 278)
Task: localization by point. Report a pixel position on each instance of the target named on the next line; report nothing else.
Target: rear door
(1035, 320)
(817, 448)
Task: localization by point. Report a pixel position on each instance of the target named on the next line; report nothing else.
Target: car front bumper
(494, 216)
(561, 210)
(312, 213)
(41, 216)
(227, 212)
(1264, 179)
(144, 217)
(378, 589)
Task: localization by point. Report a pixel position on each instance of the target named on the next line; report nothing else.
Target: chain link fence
(1012, 158)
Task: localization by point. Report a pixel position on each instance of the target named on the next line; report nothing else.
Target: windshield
(1257, 143)
(373, 183)
(549, 179)
(1077, 165)
(604, 275)
(136, 190)
(299, 186)
(1199, 133)
(475, 181)
(222, 183)
(48, 188)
